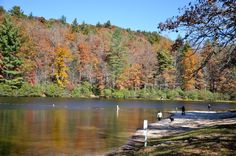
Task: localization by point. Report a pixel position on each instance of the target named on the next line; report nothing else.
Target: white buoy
(117, 107)
(117, 110)
(117, 113)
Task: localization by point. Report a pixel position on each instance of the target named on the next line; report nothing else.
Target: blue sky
(134, 14)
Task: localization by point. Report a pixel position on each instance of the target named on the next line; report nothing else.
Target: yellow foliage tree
(62, 56)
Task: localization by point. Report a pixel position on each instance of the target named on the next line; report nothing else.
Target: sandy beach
(192, 120)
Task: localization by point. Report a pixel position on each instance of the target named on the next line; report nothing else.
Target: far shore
(192, 121)
(151, 99)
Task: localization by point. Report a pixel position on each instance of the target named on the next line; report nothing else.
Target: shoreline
(119, 99)
(193, 120)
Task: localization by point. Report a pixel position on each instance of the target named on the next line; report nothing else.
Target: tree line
(104, 60)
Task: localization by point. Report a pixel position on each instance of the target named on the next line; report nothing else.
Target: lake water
(70, 126)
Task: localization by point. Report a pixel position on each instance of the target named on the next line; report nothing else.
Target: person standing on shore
(171, 118)
(159, 116)
(183, 110)
(209, 107)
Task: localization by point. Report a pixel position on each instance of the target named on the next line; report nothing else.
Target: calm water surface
(70, 126)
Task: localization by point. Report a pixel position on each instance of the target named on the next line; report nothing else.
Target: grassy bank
(86, 90)
(216, 140)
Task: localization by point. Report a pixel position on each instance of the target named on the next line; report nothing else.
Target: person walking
(183, 110)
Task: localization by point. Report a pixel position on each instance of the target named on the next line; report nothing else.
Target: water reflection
(34, 126)
(62, 131)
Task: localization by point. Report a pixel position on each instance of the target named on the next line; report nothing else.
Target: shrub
(217, 96)
(83, 90)
(193, 95)
(86, 89)
(220, 96)
(132, 94)
(172, 94)
(233, 96)
(202, 95)
(76, 92)
(151, 93)
(53, 90)
(118, 94)
(143, 93)
(180, 91)
(30, 90)
(159, 94)
(205, 95)
(6, 90)
(107, 92)
(227, 97)
(129, 93)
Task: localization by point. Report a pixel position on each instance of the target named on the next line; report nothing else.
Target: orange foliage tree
(88, 62)
(84, 60)
(28, 53)
(130, 78)
(189, 66)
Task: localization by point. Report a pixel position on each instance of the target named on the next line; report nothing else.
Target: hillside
(102, 56)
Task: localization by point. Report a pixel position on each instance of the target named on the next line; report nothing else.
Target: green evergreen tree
(16, 11)
(74, 25)
(10, 42)
(98, 25)
(165, 61)
(117, 56)
(182, 48)
(63, 19)
(84, 28)
(31, 15)
(107, 24)
(164, 65)
(2, 10)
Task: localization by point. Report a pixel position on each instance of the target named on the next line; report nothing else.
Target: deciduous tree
(204, 20)
(130, 78)
(189, 66)
(62, 56)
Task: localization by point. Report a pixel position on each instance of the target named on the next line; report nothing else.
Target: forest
(50, 57)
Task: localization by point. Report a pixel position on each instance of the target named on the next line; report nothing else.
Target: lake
(71, 126)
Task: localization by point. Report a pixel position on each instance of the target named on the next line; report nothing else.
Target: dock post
(145, 126)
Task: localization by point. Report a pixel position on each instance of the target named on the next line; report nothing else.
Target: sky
(135, 14)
